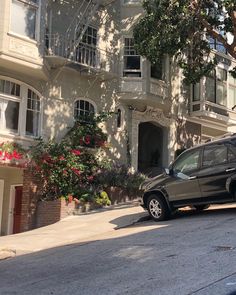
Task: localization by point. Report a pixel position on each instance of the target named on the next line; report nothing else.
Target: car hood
(157, 181)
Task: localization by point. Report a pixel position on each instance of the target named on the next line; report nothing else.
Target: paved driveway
(190, 254)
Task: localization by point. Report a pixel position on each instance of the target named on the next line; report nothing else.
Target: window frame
(216, 80)
(91, 102)
(125, 70)
(22, 99)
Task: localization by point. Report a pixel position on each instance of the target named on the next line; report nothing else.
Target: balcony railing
(87, 55)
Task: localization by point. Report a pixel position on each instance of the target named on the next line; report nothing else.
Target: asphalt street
(193, 253)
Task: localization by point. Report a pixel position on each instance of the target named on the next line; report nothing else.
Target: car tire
(201, 207)
(157, 208)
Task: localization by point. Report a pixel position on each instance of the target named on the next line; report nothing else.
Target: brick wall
(49, 212)
(31, 194)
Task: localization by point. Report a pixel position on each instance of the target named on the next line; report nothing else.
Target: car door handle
(192, 177)
(230, 169)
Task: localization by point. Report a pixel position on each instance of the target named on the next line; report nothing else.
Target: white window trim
(123, 61)
(23, 109)
(85, 99)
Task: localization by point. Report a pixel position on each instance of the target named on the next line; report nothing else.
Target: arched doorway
(150, 148)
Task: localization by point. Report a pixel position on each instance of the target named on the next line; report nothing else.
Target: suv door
(214, 172)
(184, 184)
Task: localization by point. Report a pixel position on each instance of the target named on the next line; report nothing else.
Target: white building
(60, 59)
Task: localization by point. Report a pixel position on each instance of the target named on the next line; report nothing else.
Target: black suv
(200, 176)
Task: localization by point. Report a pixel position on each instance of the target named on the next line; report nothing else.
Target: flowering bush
(88, 134)
(11, 151)
(67, 169)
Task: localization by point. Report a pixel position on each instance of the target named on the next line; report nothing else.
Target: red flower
(87, 139)
(76, 171)
(90, 178)
(61, 158)
(76, 152)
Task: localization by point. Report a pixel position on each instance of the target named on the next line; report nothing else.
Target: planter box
(118, 195)
(49, 212)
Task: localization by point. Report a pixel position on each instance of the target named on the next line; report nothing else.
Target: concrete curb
(7, 253)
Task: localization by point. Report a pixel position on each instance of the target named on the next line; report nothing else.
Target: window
(24, 17)
(118, 118)
(214, 155)
(196, 92)
(86, 52)
(32, 114)
(83, 110)
(218, 46)
(9, 105)
(216, 87)
(19, 104)
(132, 61)
(232, 92)
(187, 162)
(157, 71)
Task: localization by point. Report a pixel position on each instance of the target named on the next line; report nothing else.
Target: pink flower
(76, 171)
(87, 139)
(76, 152)
(90, 178)
(61, 158)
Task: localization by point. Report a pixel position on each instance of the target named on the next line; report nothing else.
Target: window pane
(214, 155)
(210, 89)
(32, 123)
(196, 92)
(23, 19)
(187, 162)
(83, 110)
(12, 115)
(232, 153)
(132, 62)
(157, 71)
(221, 93)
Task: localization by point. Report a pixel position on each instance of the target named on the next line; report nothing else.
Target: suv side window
(231, 153)
(214, 155)
(187, 162)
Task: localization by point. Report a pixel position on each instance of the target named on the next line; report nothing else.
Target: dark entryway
(150, 148)
(17, 210)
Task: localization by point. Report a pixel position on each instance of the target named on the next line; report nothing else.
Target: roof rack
(228, 134)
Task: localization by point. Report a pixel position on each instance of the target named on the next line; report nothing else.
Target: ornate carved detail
(152, 114)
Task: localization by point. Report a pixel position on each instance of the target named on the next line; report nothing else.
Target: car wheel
(157, 208)
(201, 207)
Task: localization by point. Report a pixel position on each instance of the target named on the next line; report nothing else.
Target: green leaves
(178, 28)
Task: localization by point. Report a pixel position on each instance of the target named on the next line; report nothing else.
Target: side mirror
(167, 171)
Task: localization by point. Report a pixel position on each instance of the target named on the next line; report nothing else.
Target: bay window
(24, 15)
(232, 92)
(19, 109)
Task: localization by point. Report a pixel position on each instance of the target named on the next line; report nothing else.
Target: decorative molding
(152, 114)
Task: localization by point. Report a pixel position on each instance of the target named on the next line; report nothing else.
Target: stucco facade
(81, 53)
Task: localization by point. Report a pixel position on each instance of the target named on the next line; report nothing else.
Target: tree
(182, 29)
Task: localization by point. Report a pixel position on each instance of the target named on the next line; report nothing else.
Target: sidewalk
(79, 229)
